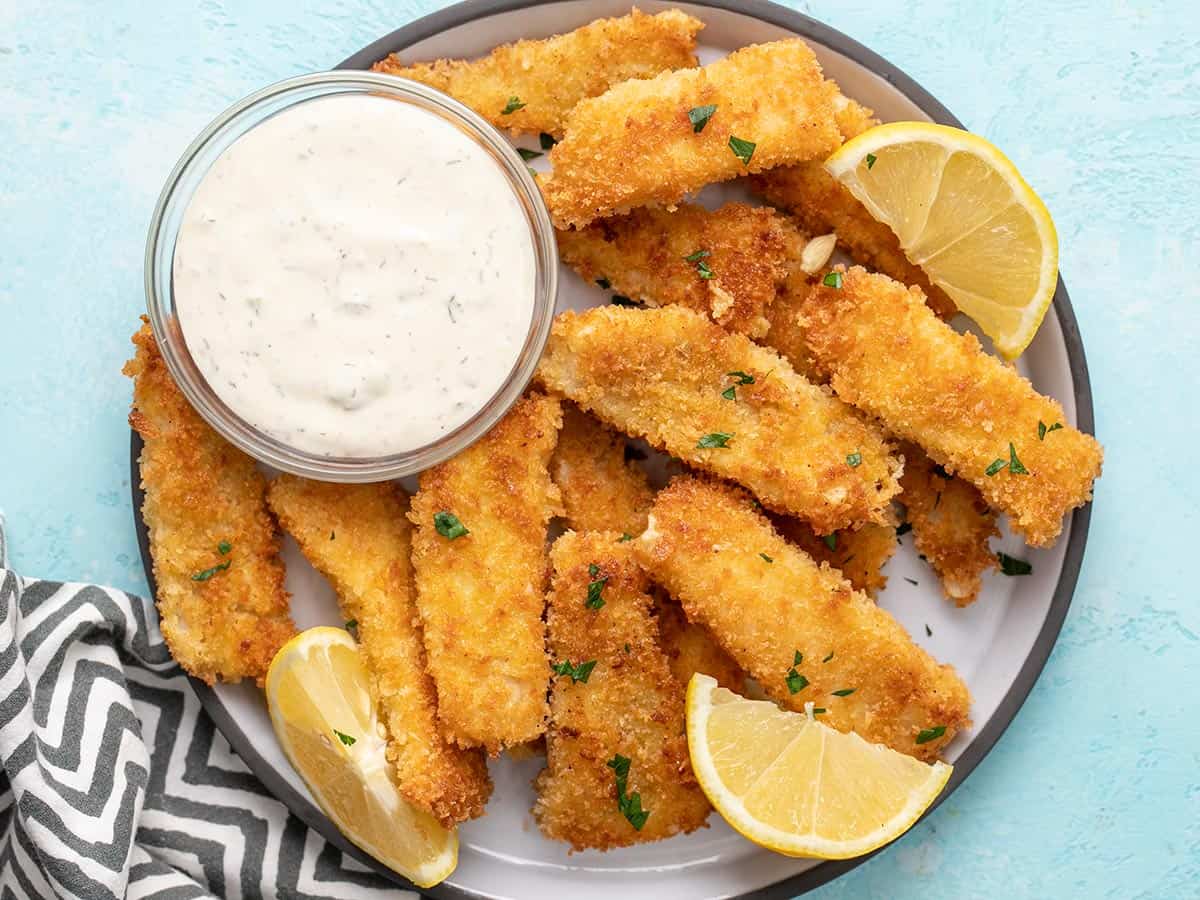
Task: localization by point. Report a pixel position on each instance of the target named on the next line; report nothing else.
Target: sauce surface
(355, 276)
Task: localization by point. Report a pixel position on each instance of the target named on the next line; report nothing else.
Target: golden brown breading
(628, 705)
(951, 525)
(601, 490)
(224, 614)
(889, 355)
(689, 649)
(481, 594)
(551, 76)
(859, 555)
(822, 205)
(664, 374)
(649, 255)
(791, 617)
(786, 334)
(635, 145)
(357, 536)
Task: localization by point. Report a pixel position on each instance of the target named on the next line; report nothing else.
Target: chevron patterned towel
(115, 782)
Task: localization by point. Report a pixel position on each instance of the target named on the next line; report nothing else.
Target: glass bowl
(164, 231)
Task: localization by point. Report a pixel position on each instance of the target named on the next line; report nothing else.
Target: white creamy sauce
(355, 277)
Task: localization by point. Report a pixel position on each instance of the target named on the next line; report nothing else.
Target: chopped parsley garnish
(844, 692)
(513, 104)
(798, 658)
(767, 558)
(830, 540)
(870, 160)
(743, 150)
(795, 681)
(716, 439)
(345, 738)
(625, 536)
(931, 734)
(911, 580)
(333, 535)
(730, 393)
(1043, 430)
(595, 587)
(1010, 565)
(699, 116)
(622, 300)
(627, 646)
(995, 467)
(828, 658)
(1015, 465)
(581, 672)
(527, 155)
(630, 805)
(604, 283)
(546, 140)
(833, 280)
(903, 528)
(448, 526)
(705, 272)
(224, 547)
(818, 710)
(351, 624)
(854, 460)
(696, 256)
(928, 631)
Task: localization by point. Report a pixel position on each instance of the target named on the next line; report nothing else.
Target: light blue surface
(1095, 789)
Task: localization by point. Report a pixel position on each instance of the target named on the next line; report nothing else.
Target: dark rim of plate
(773, 14)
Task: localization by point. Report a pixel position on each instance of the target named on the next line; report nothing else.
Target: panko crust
(690, 648)
(202, 492)
(644, 256)
(481, 596)
(660, 374)
(630, 705)
(890, 356)
(704, 544)
(859, 555)
(551, 76)
(634, 145)
(358, 537)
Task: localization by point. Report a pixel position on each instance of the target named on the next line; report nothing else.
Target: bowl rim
(467, 11)
(172, 204)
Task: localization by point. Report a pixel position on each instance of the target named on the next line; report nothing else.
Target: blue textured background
(1095, 790)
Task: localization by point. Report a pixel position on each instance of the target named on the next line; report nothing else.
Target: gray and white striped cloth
(116, 784)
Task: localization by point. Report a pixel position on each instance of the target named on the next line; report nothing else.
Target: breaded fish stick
(540, 82)
(614, 698)
(601, 490)
(951, 525)
(217, 572)
(653, 141)
(726, 264)
(479, 553)
(795, 626)
(725, 405)
(822, 205)
(690, 648)
(357, 536)
(889, 355)
(859, 555)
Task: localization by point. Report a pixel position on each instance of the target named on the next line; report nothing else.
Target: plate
(998, 645)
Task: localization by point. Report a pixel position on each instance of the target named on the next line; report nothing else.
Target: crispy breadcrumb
(796, 627)
(217, 573)
(726, 264)
(822, 205)
(889, 355)
(725, 405)
(951, 525)
(601, 489)
(549, 77)
(481, 592)
(786, 334)
(635, 145)
(859, 555)
(689, 649)
(357, 536)
(628, 704)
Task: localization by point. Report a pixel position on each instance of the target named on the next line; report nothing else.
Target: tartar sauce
(355, 276)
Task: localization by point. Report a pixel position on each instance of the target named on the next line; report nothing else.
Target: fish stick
(822, 205)
(859, 555)
(479, 555)
(357, 536)
(724, 405)
(690, 648)
(889, 355)
(797, 627)
(540, 82)
(217, 572)
(601, 489)
(951, 525)
(726, 264)
(636, 145)
(624, 704)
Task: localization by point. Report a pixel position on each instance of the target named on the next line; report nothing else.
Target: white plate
(998, 645)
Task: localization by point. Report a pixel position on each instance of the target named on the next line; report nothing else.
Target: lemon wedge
(795, 786)
(964, 214)
(321, 709)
